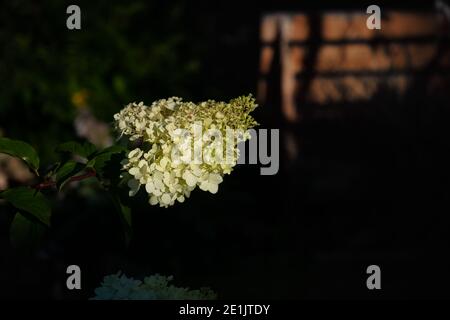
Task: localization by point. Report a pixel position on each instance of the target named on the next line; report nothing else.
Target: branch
(50, 184)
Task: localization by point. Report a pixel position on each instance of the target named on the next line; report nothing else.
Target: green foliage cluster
(32, 204)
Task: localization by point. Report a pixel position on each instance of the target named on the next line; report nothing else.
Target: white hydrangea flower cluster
(189, 145)
(155, 287)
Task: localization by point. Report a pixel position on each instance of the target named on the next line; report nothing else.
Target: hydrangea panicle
(192, 145)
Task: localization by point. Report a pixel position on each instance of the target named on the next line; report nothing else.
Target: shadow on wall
(329, 65)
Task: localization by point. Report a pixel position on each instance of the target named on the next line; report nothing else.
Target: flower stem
(49, 184)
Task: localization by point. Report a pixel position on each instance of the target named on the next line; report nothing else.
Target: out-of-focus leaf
(85, 150)
(30, 201)
(111, 150)
(20, 150)
(25, 233)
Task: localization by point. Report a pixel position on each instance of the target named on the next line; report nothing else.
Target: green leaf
(111, 150)
(101, 161)
(85, 150)
(25, 232)
(20, 150)
(66, 171)
(125, 215)
(107, 162)
(29, 200)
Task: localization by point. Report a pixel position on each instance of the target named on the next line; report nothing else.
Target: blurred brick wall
(332, 57)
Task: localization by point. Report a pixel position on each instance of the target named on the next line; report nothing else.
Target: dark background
(370, 188)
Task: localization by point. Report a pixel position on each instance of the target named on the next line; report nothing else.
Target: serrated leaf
(101, 157)
(85, 150)
(107, 162)
(102, 160)
(30, 201)
(66, 171)
(20, 150)
(24, 232)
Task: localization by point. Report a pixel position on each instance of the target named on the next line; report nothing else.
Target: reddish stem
(50, 184)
